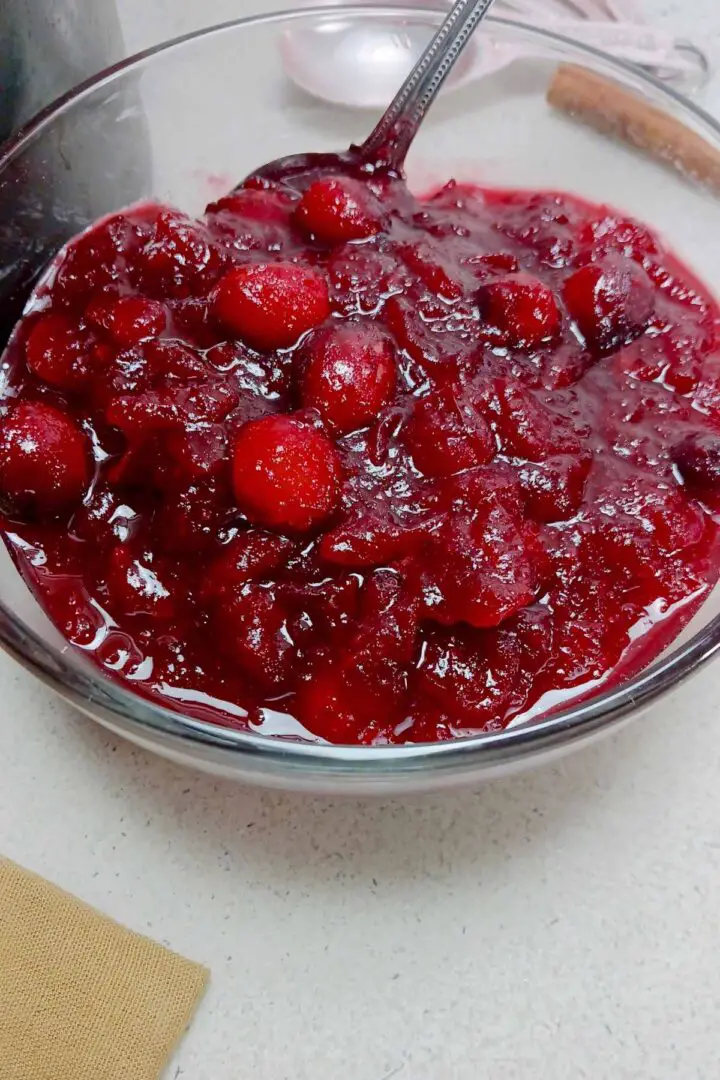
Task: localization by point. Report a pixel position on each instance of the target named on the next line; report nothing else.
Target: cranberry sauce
(343, 463)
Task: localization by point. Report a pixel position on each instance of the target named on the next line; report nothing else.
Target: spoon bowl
(361, 65)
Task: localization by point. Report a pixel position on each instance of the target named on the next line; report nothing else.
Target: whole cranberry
(286, 473)
(697, 457)
(523, 309)
(337, 209)
(611, 302)
(349, 375)
(44, 458)
(270, 305)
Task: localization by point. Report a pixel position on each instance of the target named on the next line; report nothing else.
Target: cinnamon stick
(612, 110)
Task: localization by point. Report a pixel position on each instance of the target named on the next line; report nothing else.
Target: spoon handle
(388, 144)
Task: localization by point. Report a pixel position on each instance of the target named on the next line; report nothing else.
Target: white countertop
(559, 925)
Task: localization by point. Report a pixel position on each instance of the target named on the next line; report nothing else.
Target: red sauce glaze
(397, 468)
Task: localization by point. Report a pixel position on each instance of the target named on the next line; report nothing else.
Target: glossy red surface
(395, 468)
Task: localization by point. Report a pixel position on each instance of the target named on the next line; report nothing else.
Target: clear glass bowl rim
(124, 711)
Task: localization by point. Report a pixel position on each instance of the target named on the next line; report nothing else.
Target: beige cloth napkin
(81, 998)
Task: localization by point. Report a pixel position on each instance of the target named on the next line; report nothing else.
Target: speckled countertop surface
(555, 926)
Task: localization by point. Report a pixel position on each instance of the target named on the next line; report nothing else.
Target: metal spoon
(385, 149)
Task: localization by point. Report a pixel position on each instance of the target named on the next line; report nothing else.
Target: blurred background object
(360, 64)
(49, 46)
(46, 48)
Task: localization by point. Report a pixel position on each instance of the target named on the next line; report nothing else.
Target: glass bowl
(185, 121)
